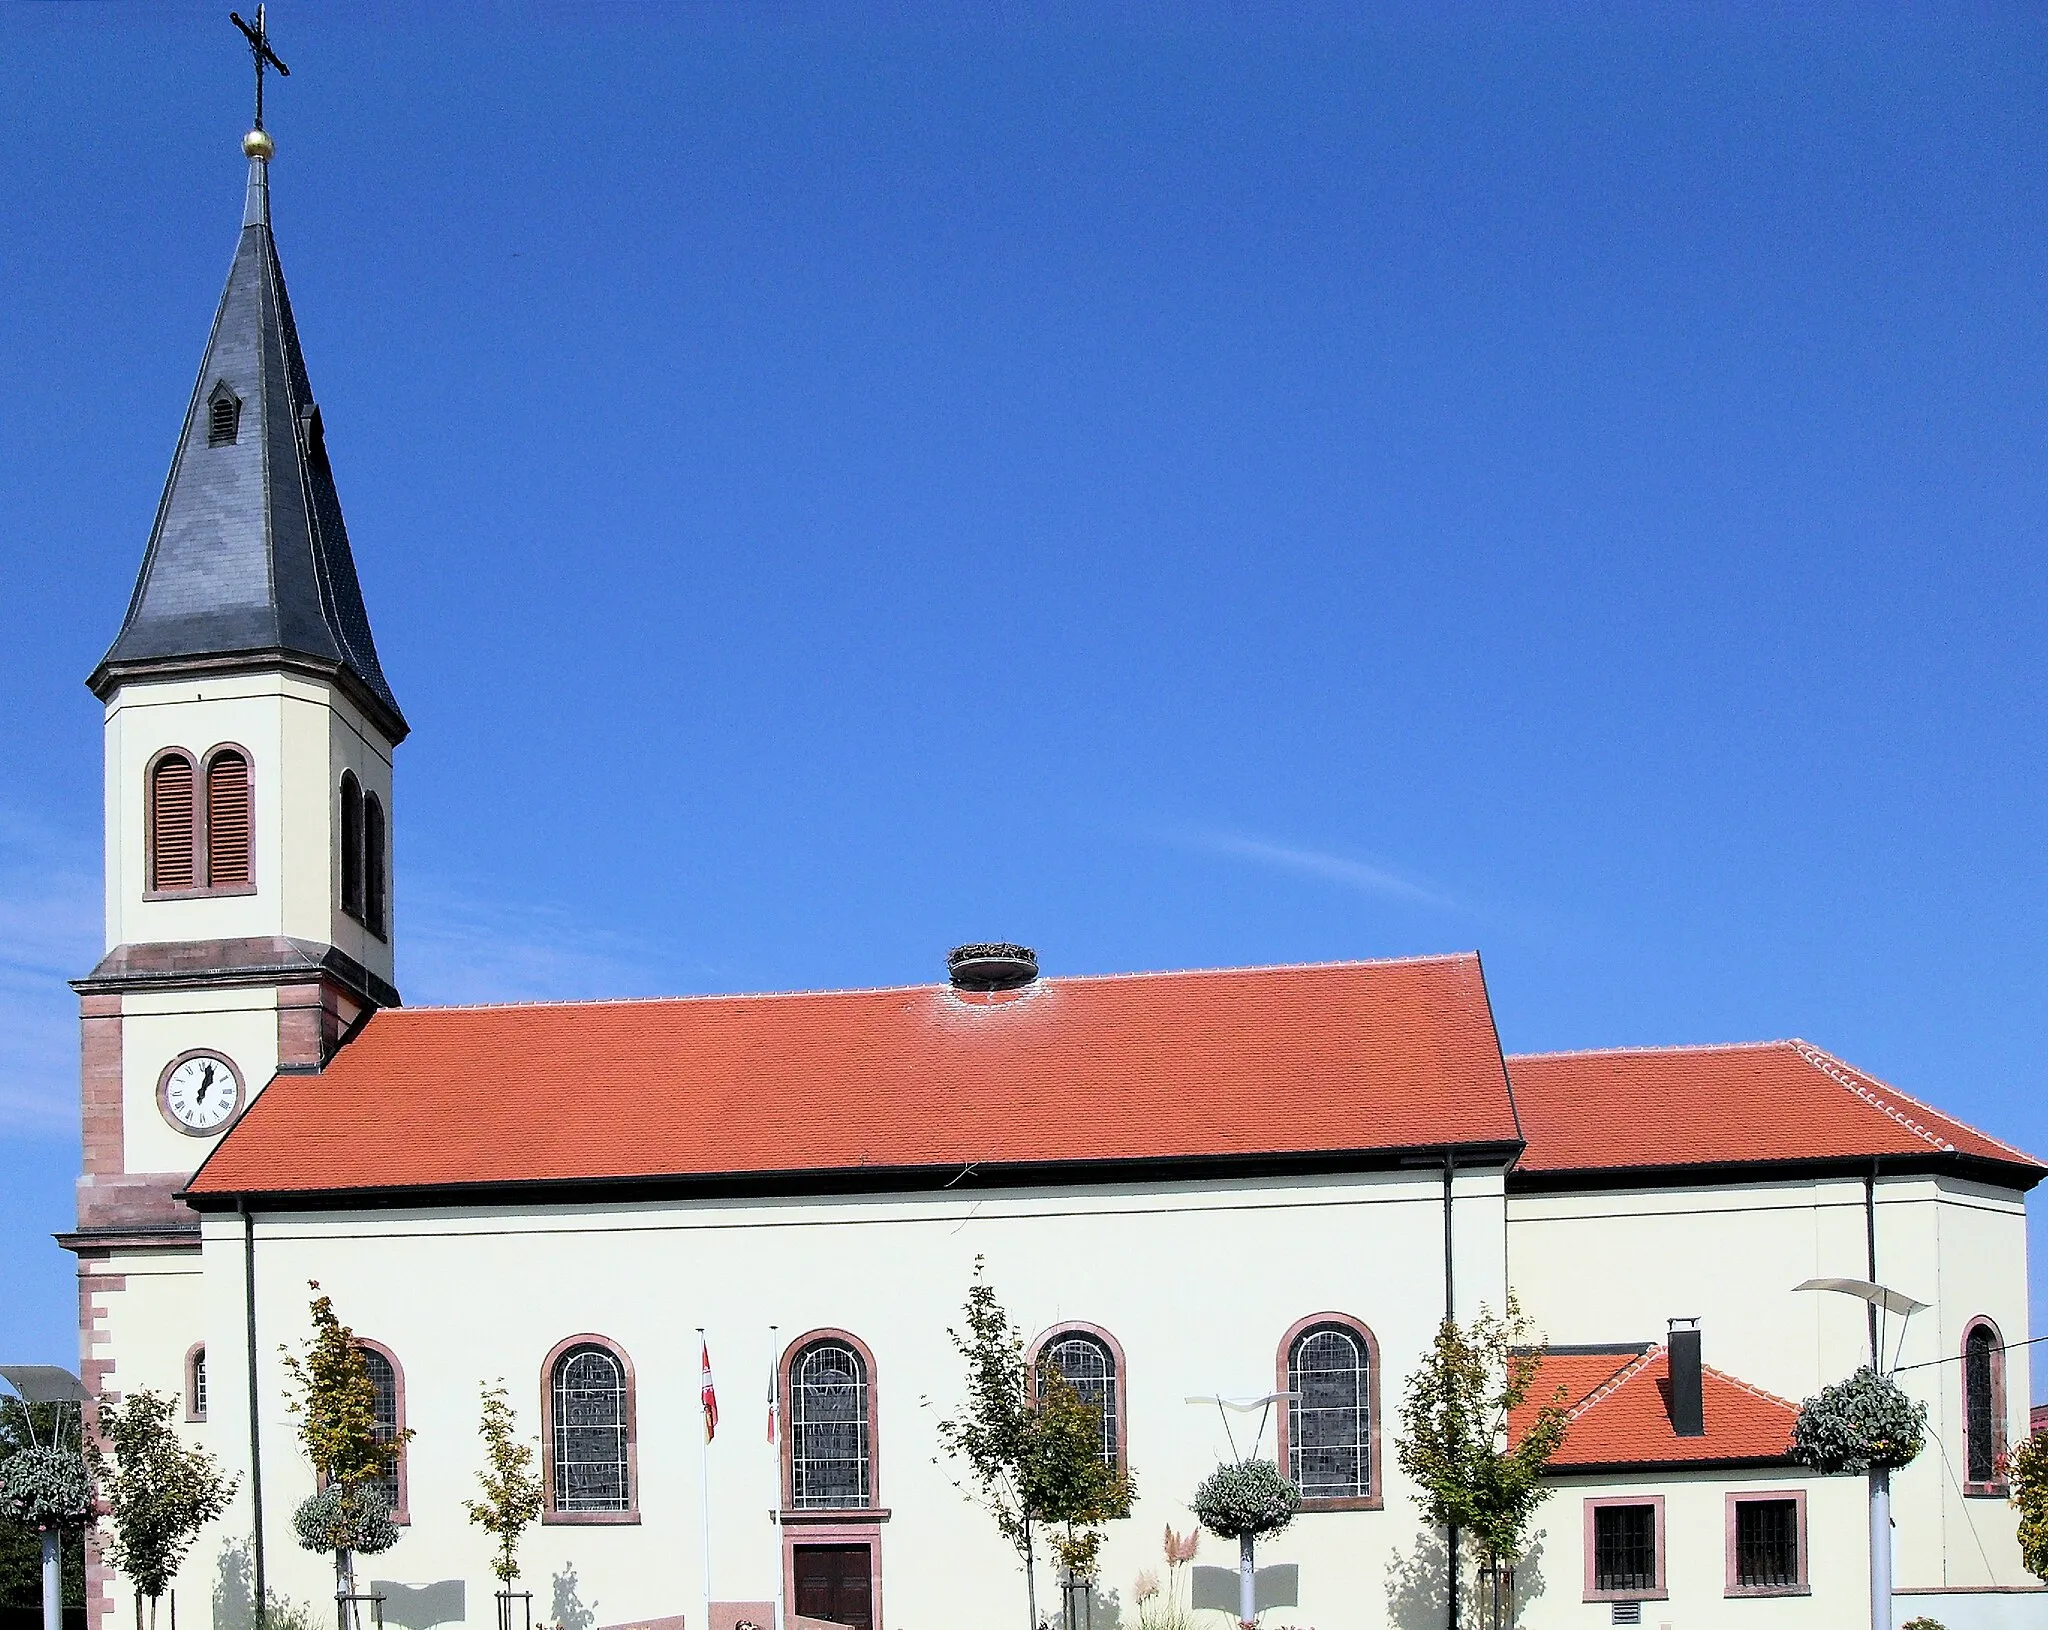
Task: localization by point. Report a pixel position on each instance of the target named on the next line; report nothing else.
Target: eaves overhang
(909, 1181)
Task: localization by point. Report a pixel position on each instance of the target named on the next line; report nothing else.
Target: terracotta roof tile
(1322, 1059)
(1624, 1418)
(1760, 1101)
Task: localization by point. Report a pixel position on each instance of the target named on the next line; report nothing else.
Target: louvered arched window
(228, 828)
(1087, 1361)
(1983, 1408)
(590, 1437)
(173, 824)
(351, 845)
(373, 864)
(831, 1428)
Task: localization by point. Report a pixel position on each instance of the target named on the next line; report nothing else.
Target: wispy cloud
(1366, 877)
(454, 946)
(49, 933)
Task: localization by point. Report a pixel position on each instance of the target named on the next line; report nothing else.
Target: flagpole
(775, 1456)
(704, 1479)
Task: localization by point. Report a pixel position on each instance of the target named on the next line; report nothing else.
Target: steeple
(248, 564)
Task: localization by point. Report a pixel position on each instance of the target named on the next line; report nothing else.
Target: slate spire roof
(249, 563)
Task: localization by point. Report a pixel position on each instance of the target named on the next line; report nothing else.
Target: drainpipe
(255, 1434)
(1450, 1312)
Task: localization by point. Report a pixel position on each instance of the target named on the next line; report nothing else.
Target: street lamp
(47, 1384)
(1882, 1299)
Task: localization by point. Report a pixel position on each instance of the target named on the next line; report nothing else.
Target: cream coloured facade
(1197, 1170)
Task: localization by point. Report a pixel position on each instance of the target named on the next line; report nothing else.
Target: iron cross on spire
(259, 48)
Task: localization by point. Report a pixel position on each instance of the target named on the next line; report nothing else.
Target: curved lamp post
(47, 1384)
(1882, 1300)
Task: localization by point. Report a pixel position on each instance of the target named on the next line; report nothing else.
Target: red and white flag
(710, 1394)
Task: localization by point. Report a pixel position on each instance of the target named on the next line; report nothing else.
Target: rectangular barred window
(1767, 1544)
(1625, 1548)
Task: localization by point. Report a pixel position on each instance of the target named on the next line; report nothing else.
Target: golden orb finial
(257, 144)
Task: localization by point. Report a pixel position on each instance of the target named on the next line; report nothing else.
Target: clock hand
(205, 1081)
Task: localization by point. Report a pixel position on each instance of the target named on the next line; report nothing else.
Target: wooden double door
(835, 1582)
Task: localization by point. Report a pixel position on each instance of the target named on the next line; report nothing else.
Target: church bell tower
(249, 739)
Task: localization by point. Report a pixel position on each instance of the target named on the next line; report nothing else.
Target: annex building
(1183, 1184)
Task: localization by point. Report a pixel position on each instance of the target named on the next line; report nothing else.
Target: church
(1187, 1185)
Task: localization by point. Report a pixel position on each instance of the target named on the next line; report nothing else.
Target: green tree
(2026, 1474)
(159, 1491)
(1469, 1477)
(335, 1401)
(1067, 1481)
(512, 1494)
(1030, 1462)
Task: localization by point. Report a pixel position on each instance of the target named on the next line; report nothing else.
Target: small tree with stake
(1470, 1477)
(512, 1494)
(336, 1403)
(159, 1492)
(1031, 1462)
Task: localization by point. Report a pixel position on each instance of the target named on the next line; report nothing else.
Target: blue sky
(1173, 485)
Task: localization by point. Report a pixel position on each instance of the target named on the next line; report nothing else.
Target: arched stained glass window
(587, 1397)
(1088, 1366)
(831, 1454)
(384, 1382)
(1983, 1435)
(1329, 1426)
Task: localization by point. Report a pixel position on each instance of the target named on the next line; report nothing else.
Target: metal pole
(704, 1497)
(255, 1410)
(1247, 1589)
(53, 1579)
(1881, 1550)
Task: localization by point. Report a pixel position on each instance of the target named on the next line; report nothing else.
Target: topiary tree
(512, 1494)
(1865, 1425)
(1245, 1500)
(1067, 1483)
(159, 1491)
(45, 1499)
(335, 1401)
(1862, 1425)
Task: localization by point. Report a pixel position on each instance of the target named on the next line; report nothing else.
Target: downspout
(1870, 1253)
(255, 1433)
(1450, 1312)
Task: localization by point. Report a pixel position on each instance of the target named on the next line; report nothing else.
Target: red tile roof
(1319, 1060)
(1684, 1106)
(1620, 1414)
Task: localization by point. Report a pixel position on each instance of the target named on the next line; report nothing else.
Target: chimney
(1688, 1405)
(991, 967)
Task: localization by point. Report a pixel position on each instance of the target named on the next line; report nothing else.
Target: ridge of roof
(939, 987)
(1615, 1382)
(1840, 1072)
(1654, 1048)
(248, 562)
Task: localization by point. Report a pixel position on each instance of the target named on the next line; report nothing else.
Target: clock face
(201, 1092)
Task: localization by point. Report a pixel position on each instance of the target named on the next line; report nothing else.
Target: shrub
(1247, 1497)
(1863, 1424)
(346, 1517)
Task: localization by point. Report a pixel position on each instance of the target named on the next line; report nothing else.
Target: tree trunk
(1030, 1574)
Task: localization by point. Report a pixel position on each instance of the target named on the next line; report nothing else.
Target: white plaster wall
(1732, 1255)
(157, 1027)
(1696, 1558)
(300, 734)
(1198, 1285)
